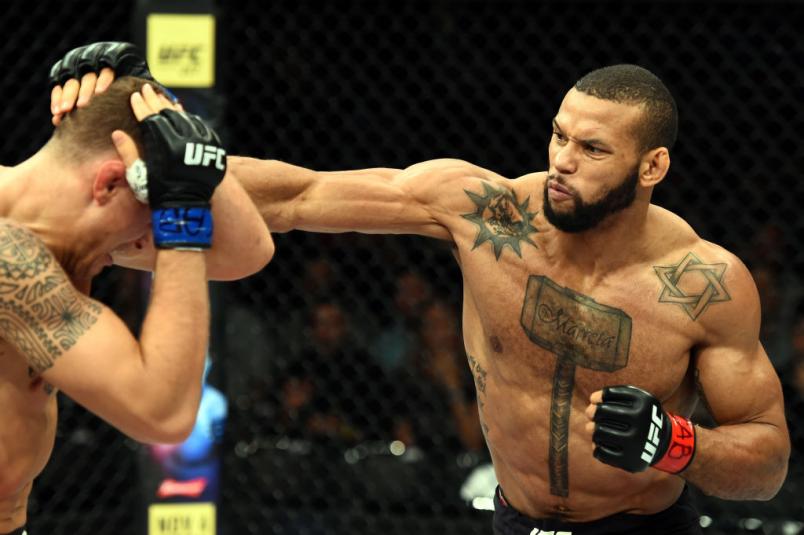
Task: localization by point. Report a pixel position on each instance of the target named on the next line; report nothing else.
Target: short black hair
(632, 84)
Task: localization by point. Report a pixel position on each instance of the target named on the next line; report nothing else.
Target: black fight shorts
(681, 518)
(18, 531)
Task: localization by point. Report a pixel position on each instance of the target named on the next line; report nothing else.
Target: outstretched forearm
(740, 462)
(291, 197)
(274, 188)
(372, 201)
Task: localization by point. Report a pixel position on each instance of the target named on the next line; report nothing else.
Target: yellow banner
(181, 49)
(181, 519)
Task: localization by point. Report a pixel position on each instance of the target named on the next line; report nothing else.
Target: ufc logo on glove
(199, 154)
(653, 436)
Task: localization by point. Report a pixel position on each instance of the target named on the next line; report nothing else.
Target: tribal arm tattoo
(501, 219)
(41, 314)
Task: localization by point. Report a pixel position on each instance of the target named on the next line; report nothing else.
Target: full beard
(585, 216)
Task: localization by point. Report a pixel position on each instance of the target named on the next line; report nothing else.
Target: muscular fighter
(65, 213)
(593, 320)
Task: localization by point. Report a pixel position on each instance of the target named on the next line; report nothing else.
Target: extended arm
(416, 200)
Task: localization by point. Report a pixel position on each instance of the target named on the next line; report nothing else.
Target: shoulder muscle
(41, 314)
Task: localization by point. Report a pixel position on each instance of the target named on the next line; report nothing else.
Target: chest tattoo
(501, 219)
(690, 268)
(580, 332)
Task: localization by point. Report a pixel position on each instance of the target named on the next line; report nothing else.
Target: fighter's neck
(618, 241)
(36, 194)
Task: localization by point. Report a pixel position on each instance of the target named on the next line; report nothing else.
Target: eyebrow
(590, 141)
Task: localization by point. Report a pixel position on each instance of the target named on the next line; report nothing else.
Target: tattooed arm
(393, 201)
(745, 457)
(149, 389)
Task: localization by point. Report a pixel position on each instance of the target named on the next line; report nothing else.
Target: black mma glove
(185, 162)
(124, 59)
(633, 432)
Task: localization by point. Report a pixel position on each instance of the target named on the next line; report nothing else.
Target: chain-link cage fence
(352, 405)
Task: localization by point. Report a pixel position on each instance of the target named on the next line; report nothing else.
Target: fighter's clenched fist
(633, 432)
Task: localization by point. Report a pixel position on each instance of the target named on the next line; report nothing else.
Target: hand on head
(144, 103)
(89, 70)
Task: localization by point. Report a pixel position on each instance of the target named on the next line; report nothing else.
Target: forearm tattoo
(694, 304)
(41, 314)
(580, 332)
(501, 219)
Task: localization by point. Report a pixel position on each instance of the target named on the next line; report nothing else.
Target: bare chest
(538, 327)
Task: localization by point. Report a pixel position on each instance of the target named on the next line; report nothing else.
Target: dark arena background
(340, 366)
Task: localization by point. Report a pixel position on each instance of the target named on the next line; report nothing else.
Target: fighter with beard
(593, 320)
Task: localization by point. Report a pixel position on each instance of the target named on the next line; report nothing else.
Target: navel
(496, 345)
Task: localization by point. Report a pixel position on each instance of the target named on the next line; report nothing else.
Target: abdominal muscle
(27, 433)
(518, 437)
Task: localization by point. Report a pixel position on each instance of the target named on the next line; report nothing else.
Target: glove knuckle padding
(87, 60)
(55, 73)
(201, 128)
(124, 58)
(180, 122)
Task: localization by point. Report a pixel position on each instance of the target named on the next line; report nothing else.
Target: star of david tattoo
(692, 266)
(501, 219)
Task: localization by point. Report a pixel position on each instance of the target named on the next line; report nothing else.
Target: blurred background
(340, 366)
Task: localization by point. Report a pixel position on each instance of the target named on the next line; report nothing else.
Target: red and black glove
(633, 432)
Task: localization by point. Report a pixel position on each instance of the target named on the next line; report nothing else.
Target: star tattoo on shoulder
(694, 304)
(501, 219)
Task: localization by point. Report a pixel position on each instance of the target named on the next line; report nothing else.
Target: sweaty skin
(550, 318)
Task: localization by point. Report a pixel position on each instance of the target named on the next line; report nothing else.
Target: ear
(109, 179)
(654, 167)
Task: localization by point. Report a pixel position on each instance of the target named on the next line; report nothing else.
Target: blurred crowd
(343, 372)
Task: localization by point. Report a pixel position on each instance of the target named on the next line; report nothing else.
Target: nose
(565, 159)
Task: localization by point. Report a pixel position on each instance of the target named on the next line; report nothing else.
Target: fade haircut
(85, 132)
(631, 84)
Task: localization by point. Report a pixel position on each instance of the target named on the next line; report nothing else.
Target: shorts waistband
(679, 518)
